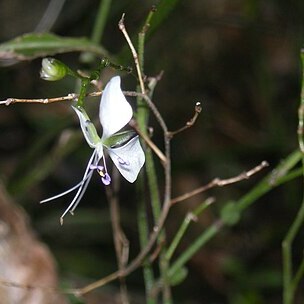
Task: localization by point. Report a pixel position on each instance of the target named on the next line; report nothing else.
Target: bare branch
(191, 122)
(69, 97)
(217, 182)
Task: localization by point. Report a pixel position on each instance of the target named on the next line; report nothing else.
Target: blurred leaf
(35, 45)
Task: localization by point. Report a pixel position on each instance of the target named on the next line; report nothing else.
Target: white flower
(123, 147)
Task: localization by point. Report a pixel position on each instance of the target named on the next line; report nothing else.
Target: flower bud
(52, 69)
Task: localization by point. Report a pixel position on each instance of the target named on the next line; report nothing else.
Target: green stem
(100, 20)
(156, 210)
(142, 109)
(195, 247)
(142, 120)
(142, 123)
(98, 29)
(295, 282)
(84, 85)
(183, 228)
(143, 238)
(290, 285)
(270, 181)
(83, 91)
(289, 289)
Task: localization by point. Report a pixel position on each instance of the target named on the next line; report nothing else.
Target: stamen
(106, 179)
(78, 196)
(102, 171)
(63, 193)
(85, 177)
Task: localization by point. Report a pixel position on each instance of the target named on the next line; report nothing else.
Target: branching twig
(12, 100)
(217, 182)
(191, 122)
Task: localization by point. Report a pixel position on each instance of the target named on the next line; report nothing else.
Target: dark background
(241, 60)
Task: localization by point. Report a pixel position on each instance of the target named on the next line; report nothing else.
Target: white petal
(115, 111)
(87, 127)
(128, 159)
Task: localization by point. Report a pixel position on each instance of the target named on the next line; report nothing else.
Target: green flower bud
(52, 69)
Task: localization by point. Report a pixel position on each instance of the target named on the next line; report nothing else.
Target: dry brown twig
(191, 122)
(217, 182)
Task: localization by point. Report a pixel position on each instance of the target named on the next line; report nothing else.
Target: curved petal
(115, 111)
(128, 159)
(87, 127)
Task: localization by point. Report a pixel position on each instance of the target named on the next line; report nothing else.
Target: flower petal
(87, 127)
(115, 111)
(128, 159)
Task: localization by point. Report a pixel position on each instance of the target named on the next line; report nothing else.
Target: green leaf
(35, 45)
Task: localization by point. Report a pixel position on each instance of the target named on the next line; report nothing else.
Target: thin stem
(195, 246)
(298, 276)
(100, 20)
(83, 91)
(142, 109)
(143, 229)
(273, 179)
(190, 217)
(289, 289)
(191, 122)
(289, 285)
(301, 110)
(141, 115)
(217, 182)
(142, 120)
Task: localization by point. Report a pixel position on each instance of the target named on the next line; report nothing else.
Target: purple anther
(106, 179)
